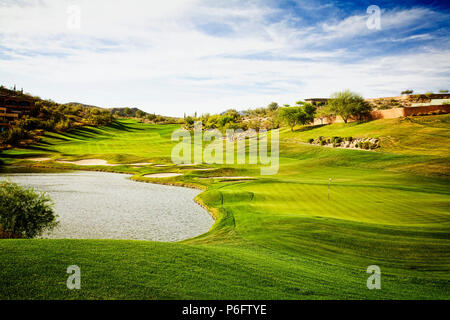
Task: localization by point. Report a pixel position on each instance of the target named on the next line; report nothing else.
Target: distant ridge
(79, 104)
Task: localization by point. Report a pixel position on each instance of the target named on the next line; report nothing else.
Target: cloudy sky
(177, 56)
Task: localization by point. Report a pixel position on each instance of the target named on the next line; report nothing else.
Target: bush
(310, 140)
(322, 142)
(23, 212)
(349, 139)
(13, 135)
(367, 145)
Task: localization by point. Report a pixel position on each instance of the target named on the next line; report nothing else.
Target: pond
(98, 205)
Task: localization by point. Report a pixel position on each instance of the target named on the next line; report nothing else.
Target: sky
(184, 56)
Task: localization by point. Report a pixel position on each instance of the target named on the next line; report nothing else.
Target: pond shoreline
(132, 177)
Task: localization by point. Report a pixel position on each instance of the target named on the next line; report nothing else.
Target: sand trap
(160, 165)
(39, 159)
(186, 164)
(163, 175)
(140, 164)
(201, 169)
(89, 162)
(229, 178)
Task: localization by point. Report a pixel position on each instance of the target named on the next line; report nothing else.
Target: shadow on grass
(38, 148)
(307, 128)
(58, 137)
(121, 126)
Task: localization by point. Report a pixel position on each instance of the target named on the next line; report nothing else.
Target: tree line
(346, 104)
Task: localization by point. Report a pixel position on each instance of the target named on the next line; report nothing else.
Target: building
(317, 101)
(13, 105)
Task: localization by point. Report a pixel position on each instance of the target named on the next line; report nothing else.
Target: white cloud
(155, 55)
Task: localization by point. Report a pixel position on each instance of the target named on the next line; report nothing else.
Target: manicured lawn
(276, 237)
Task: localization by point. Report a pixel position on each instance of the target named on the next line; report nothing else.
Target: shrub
(310, 140)
(349, 139)
(367, 145)
(322, 142)
(23, 212)
(13, 135)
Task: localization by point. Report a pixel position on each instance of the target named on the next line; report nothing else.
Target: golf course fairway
(285, 236)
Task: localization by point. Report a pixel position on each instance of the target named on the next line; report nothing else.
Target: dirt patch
(163, 175)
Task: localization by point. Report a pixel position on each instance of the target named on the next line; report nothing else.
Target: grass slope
(275, 237)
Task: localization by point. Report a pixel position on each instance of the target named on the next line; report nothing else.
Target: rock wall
(392, 113)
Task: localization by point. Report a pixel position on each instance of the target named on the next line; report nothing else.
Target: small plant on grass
(367, 145)
(24, 213)
(311, 140)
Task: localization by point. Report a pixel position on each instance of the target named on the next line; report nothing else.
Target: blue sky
(181, 56)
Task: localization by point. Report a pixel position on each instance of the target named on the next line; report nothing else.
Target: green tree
(151, 117)
(128, 112)
(346, 104)
(140, 114)
(273, 106)
(407, 91)
(309, 111)
(189, 121)
(297, 115)
(23, 212)
(362, 110)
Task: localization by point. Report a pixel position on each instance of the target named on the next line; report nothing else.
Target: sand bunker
(89, 162)
(39, 159)
(231, 178)
(160, 165)
(163, 175)
(140, 164)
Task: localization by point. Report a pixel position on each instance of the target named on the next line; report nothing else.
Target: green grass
(275, 237)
